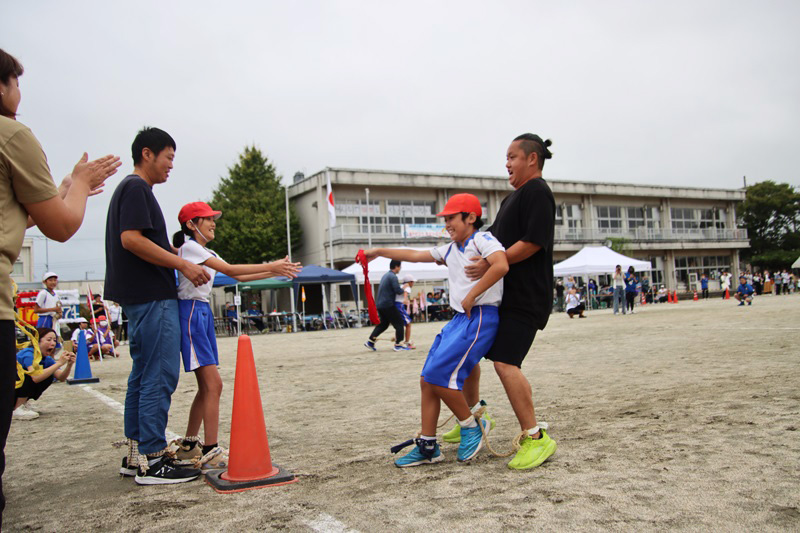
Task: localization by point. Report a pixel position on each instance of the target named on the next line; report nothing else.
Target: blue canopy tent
(318, 275)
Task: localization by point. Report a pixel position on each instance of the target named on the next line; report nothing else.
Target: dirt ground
(679, 417)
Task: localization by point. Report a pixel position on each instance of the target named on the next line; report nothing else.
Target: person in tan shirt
(28, 197)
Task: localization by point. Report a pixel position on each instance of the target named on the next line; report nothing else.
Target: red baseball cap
(197, 210)
(461, 203)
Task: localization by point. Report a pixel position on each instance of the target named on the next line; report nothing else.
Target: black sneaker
(127, 471)
(165, 472)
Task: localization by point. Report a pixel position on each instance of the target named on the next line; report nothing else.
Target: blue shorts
(402, 308)
(45, 321)
(198, 340)
(460, 346)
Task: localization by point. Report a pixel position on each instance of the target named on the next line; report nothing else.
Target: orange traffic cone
(695, 296)
(249, 465)
(644, 300)
(727, 295)
(675, 297)
(669, 297)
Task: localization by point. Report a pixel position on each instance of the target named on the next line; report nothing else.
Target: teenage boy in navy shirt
(140, 264)
(744, 292)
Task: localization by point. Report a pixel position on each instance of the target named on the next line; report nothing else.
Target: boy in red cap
(466, 338)
(198, 340)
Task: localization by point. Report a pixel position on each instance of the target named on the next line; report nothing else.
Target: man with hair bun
(524, 225)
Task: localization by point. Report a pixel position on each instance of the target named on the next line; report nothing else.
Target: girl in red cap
(198, 341)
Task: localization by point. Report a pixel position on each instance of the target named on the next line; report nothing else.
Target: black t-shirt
(129, 279)
(528, 214)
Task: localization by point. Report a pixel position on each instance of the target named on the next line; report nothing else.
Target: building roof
(393, 178)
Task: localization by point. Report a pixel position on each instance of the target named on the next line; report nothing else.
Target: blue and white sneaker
(422, 454)
(401, 348)
(472, 440)
(370, 344)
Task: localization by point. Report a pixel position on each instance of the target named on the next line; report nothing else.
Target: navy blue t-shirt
(130, 279)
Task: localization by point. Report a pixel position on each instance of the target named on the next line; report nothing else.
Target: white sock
(153, 460)
(476, 406)
(426, 437)
(468, 423)
(533, 431)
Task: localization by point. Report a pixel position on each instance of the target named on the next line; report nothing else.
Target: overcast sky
(687, 93)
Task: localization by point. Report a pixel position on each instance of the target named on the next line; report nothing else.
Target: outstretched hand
(284, 267)
(371, 254)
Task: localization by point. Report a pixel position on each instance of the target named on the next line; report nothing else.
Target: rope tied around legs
(516, 442)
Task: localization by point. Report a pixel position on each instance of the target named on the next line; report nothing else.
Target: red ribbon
(361, 259)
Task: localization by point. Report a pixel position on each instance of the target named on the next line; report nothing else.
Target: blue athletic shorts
(402, 308)
(460, 346)
(198, 340)
(45, 321)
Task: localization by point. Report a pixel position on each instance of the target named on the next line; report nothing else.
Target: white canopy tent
(796, 264)
(597, 260)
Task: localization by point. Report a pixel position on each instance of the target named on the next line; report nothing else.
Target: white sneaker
(29, 405)
(21, 413)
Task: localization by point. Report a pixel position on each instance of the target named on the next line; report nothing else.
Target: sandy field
(679, 417)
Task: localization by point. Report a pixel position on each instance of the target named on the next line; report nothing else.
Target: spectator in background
(725, 282)
(704, 285)
(767, 282)
(99, 307)
(559, 295)
(569, 283)
(255, 316)
(37, 380)
(777, 282)
(115, 319)
(758, 283)
(663, 295)
(48, 306)
(618, 282)
(648, 297)
(631, 281)
(83, 325)
(574, 304)
(787, 280)
(744, 293)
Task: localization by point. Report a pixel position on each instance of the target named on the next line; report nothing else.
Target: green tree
(619, 245)
(252, 228)
(770, 213)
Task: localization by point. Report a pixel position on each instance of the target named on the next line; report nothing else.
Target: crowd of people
(627, 289)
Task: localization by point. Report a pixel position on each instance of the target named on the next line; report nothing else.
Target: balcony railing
(403, 232)
(647, 234)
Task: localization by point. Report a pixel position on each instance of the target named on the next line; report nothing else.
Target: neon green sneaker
(454, 435)
(532, 452)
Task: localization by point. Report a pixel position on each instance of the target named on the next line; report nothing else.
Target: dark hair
(9, 68)
(154, 139)
(394, 263)
(533, 143)
(631, 270)
(179, 238)
(478, 224)
(44, 331)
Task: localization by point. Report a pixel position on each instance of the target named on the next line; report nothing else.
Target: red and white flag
(331, 207)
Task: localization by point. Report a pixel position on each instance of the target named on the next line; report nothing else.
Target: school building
(681, 231)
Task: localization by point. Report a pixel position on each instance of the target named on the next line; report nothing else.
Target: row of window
(396, 213)
(613, 219)
(711, 265)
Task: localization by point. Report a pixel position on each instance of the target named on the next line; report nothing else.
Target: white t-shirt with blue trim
(481, 243)
(195, 253)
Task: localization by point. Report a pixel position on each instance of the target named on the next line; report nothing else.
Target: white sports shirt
(193, 252)
(45, 300)
(481, 243)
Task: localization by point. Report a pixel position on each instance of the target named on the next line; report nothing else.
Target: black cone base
(223, 486)
(73, 381)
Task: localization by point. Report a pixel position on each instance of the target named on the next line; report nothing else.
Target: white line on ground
(118, 407)
(325, 523)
